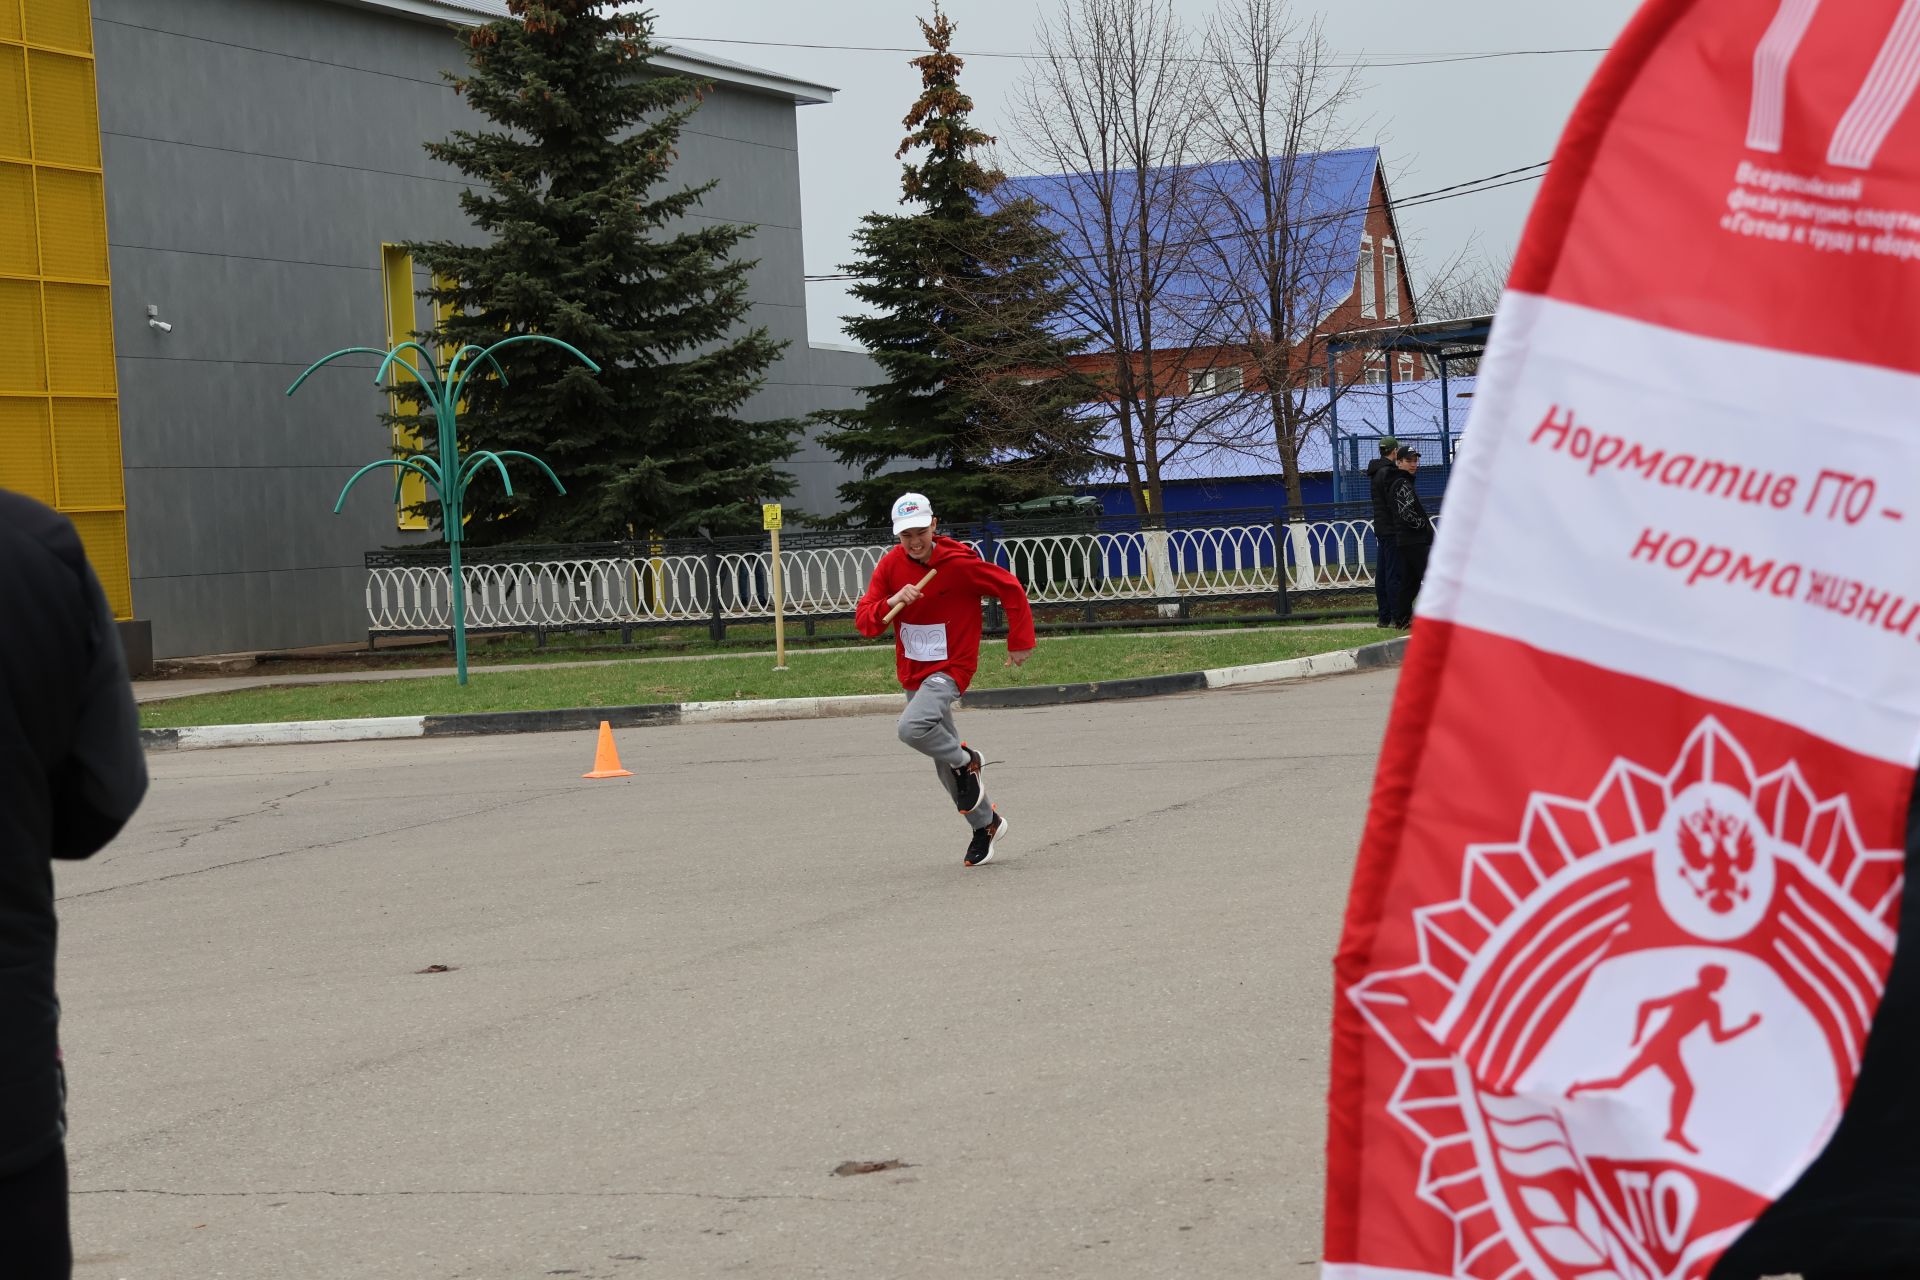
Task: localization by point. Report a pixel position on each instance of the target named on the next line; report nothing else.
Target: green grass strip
(811, 675)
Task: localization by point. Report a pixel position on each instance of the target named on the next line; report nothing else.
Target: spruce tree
(979, 392)
(572, 195)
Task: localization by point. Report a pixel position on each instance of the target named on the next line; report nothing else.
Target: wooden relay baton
(918, 586)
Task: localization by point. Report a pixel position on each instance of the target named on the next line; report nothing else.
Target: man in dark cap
(1412, 532)
(1386, 564)
(71, 774)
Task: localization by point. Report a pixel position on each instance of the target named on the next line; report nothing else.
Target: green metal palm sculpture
(445, 469)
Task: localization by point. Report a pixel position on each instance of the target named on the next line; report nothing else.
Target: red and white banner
(1629, 889)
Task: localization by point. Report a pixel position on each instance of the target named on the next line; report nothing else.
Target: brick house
(1349, 274)
(1224, 275)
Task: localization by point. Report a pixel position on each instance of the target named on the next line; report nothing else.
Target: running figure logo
(1687, 1011)
(1731, 918)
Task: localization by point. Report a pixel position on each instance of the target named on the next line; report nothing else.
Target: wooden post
(770, 520)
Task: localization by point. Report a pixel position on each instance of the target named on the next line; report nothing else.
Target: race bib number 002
(924, 641)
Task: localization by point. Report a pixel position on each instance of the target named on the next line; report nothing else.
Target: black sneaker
(984, 842)
(966, 779)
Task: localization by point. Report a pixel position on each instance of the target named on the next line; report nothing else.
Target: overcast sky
(1436, 125)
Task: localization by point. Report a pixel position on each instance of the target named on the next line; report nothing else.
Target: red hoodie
(942, 628)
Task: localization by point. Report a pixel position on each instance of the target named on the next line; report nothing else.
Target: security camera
(155, 322)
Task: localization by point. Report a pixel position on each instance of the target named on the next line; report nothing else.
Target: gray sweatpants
(927, 726)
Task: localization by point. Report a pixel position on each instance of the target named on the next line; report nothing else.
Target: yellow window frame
(397, 286)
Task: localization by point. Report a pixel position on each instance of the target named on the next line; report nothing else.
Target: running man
(937, 648)
(1687, 1011)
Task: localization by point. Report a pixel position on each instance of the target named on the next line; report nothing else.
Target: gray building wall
(257, 154)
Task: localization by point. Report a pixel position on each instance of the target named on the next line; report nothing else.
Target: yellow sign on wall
(59, 405)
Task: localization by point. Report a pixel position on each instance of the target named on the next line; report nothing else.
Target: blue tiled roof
(1240, 445)
(1326, 193)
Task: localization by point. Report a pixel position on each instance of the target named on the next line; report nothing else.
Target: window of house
(1364, 279)
(1390, 281)
(1374, 371)
(1406, 368)
(1214, 382)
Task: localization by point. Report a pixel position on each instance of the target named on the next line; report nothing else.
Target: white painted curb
(863, 704)
(1318, 664)
(255, 735)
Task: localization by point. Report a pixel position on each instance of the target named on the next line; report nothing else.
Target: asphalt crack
(270, 806)
(325, 1191)
(1162, 811)
(219, 824)
(309, 848)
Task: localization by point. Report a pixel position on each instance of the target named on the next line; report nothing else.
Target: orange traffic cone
(606, 761)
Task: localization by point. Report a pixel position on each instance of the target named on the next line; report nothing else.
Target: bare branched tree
(1471, 286)
(1112, 107)
(1274, 256)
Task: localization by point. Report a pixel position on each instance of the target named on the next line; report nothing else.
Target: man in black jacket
(71, 774)
(1412, 532)
(1386, 564)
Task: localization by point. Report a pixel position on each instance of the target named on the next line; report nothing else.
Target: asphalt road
(675, 1003)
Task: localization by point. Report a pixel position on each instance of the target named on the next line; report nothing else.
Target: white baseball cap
(911, 511)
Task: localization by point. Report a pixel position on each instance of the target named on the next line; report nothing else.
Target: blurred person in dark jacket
(72, 775)
(1412, 532)
(1386, 563)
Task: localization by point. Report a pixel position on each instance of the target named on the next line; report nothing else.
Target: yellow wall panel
(396, 278)
(73, 225)
(56, 335)
(15, 138)
(79, 338)
(23, 364)
(104, 535)
(19, 247)
(413, 492)
(86, 452)
(62, 24)
(64, 112)
(26, 448)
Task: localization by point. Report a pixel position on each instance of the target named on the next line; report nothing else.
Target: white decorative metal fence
(1071, 568)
